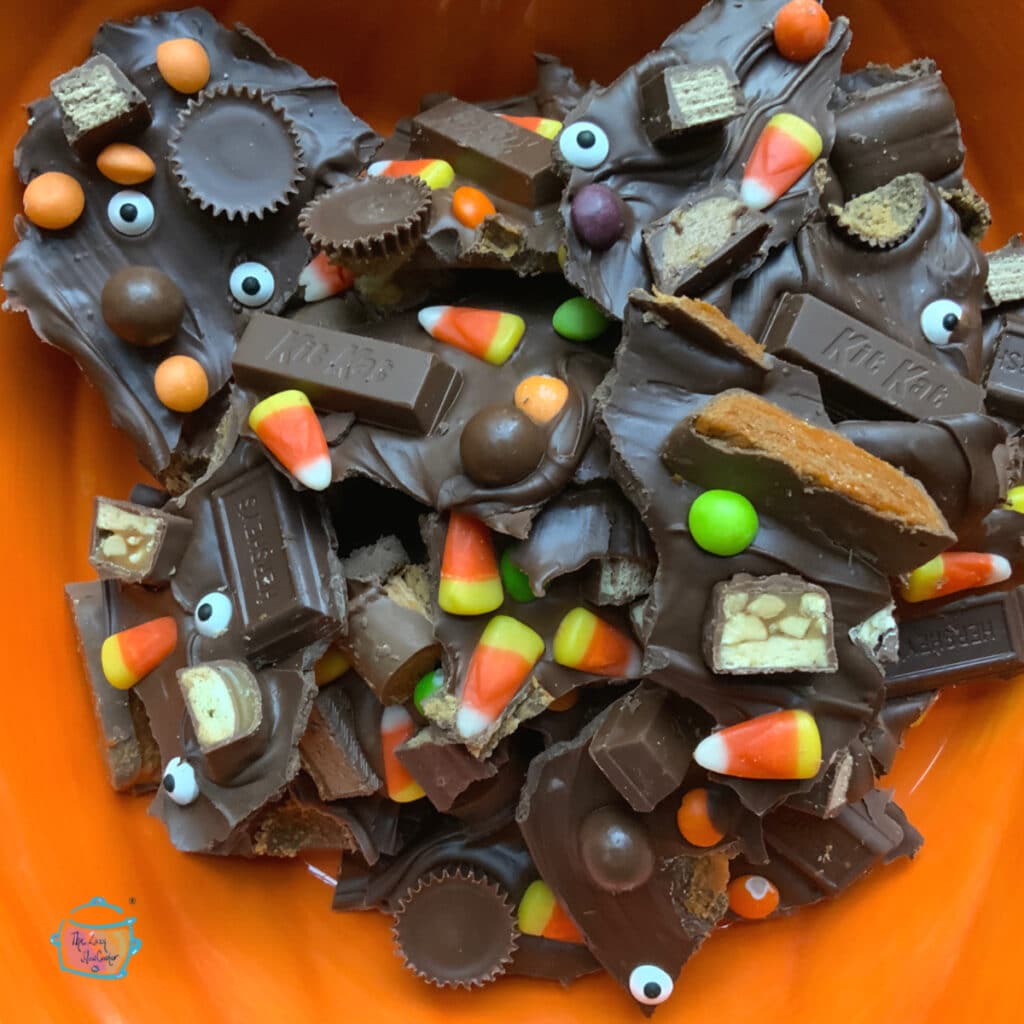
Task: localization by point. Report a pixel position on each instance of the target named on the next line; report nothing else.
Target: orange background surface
(231, 941)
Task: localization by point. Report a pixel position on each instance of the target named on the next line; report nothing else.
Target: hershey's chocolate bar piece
(385, 384)
(277, 553)
(980, 637)
(330, 749)
(859, 363)
(134, 543)
(642, 747)
(444, 768)
(1004, 390)
(694, 246)
(779, 623)
(680, 98)
(151, 497)
(501, 157)
(98, 105)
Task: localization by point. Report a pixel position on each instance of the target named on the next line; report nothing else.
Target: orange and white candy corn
(546, 126)
(502, 662)
(320, 279)
(589, 644)
(129, 656)
(541, 914)
(484, 333)
(435, 173)
(779, 745)
(332, 664)
(396, 726)
(470, 579)
(753, 897)
(287, 426)
(783, 153)
(952, 572)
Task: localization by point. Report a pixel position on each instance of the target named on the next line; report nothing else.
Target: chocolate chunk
(684, 97)
(330, 750)
(142, 306)
(148, 496)
(885, 737)
(383, 384)
(98, 105)
(136, 544)
(979, 637)
(444, 768)
(537, 957)
(499, 156)
(500, 445)
(1004, 389)
(1005, 282)
(643, 747)
(765, 624)
(696, 245)
(862, 366)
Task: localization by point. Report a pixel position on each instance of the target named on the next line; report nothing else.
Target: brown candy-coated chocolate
(615, 849)
(136, 544)
(330, 749)
(686, 97)
(500, 446)
(142, 306)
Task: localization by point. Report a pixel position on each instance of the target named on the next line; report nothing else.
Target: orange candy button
(801, 30)
(53, 200)
(471, 206)
(753, 897)
(184, 64)
(125, 164)
(541, 398)
(181, 383)
(694, 820)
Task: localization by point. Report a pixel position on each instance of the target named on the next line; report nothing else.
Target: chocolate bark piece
(765, 624)
(861, 367)
(1004, 389)
(300, 821)
(330, 749)
(696, 245)
(976, 638)
(684, 97)
(136, 543)
(892, 121)
(98, 105)
(537, 957)
(383, 384)
(741, 442)
(643, 746)
(972, 208)
(1005, 282)
(132, 759)
(885, 737)
(443, 767)
(501, 157)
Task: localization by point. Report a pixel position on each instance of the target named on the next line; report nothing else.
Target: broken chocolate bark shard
(765, 624)
(443, 767)
(863, 366)
(383, 384)
(330, 749)
(136, 543)
(1004, 390)
(684, 97)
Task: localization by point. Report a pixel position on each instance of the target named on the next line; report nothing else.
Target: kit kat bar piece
(1004, 391)
(502, 158)
(979, 637)
(384, 384)
(330, 749)
(865, 366)
(135, 543)
(684, 97)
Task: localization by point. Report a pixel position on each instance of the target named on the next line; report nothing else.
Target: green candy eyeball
(723, 522)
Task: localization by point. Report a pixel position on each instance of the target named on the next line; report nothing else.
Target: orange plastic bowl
(230, 941)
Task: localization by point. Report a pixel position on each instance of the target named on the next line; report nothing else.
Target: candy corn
(470, 580)
(1015, 499)
(333, 664)
(288, 427)
(484, 333)
(546, 126)
(541, 914)
(693, 819)
(589, 644)
(952, 572)
(779, 745)
(435, 173)
(753, 897)
(501, 663)
(129, 656)
(784, 151)
(396, 726)
(320, 279)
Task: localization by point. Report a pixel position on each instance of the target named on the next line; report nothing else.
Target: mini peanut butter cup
(886, 216)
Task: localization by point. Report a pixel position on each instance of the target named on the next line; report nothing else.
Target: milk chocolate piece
(684, 97)
(98, 105)
(643, 747)
(696, 245)
(864, 368)
(443, 767)
(499, 156)
(383, 384)
(979, 637)
(1004, 390)
(765, 624)
(135, 543)
(1005, 282)
(330, 749)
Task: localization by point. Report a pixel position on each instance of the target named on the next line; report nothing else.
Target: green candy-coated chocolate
(430, 684)
(723, 522)
(516, 582)
(579, 319)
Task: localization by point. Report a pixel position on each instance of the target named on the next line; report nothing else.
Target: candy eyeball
(179, 782)
(584, 145)
(213, 614)
(650, 985)
(252, 284)
(940, 319)
(131, 213)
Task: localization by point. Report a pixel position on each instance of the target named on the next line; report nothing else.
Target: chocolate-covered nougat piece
(135, 543)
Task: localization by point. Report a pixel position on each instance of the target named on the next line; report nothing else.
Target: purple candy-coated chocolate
(597, 216)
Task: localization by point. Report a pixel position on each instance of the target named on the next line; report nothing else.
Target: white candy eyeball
(940, 319)
(584, 145)
(650, 985)
(213, 614)
(130, 212)
(179, 782)
(252, 284)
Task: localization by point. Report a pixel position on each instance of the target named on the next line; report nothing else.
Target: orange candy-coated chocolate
(53, 200)
(801, 30)
(471, 206)
(181, 383)
(694, 820)
(542, 398)
(125, 164)
(753, 897)
(184, 64)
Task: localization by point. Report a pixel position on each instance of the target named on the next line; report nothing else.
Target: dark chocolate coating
(142, 305)
(500, 445)
(615, 849)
